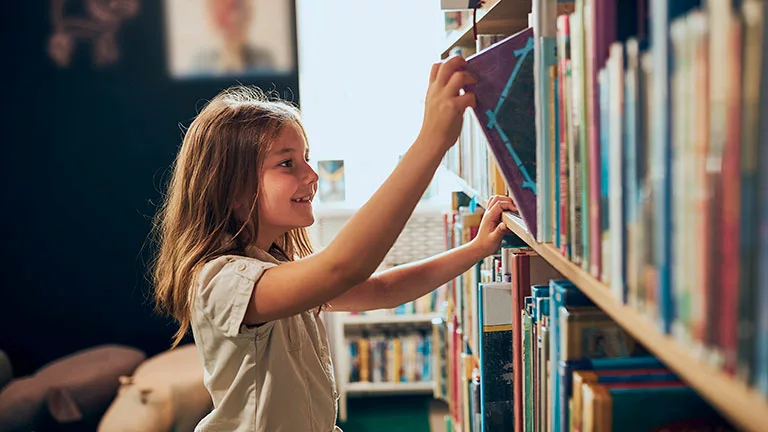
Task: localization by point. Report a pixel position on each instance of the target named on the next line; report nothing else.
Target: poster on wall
(212, 38)
(331, 187)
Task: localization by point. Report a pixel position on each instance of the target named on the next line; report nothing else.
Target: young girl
(235, 264)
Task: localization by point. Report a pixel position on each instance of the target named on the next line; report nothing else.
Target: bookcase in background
(399, 342)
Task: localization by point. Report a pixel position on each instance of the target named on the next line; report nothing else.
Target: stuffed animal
(166, 393)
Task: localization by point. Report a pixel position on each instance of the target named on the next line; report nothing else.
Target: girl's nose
(312, 176)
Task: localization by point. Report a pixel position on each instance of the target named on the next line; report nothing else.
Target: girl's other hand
(445, 102)
(492, 228)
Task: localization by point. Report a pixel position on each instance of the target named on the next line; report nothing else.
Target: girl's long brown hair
(218, 164)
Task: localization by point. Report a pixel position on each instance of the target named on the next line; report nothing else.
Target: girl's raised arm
(361, 245)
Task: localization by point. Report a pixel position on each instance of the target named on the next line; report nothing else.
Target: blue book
(761, 359)
(605, 169)
(662, 14)
(561, 293)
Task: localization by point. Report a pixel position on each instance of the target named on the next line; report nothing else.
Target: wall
(84, 151)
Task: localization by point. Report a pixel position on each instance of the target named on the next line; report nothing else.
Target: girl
(234, 262)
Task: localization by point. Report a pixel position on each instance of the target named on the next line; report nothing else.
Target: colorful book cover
(761, 358)
(562, 293)
(649, 406)
(505, 109)
(754, 27)
(496, 362)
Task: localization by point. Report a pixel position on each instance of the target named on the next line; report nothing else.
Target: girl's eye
(286, 163)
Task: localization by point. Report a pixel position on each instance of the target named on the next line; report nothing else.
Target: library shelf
(363, 320)
(389, 388)
(743, 405)
(496, 16)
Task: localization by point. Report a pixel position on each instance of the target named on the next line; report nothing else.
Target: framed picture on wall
(211, 38)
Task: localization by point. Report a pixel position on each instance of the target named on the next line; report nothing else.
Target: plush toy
(166, 393)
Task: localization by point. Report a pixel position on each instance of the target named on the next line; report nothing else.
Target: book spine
(761, 358)
(594, 39)
(617, 185)
(555, 155)
(604, 91)
(699, 253)
(574, 145)
(586, 89)
(565, 129)
(630, 169)
(750, 152)
(720, 15)
(730, 217)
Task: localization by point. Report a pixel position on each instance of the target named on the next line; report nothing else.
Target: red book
(731, 204)
(527, 269)
(594, 39)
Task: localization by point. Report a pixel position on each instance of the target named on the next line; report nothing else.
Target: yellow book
(365, 367)
(597, 408)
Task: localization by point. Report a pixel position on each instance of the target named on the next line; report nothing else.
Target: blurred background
(95, 96)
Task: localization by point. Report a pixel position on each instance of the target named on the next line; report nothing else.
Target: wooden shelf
(389, 388)
(497, 16)
(365, 320)
(744, 406)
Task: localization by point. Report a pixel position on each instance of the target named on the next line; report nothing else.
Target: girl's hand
(492, 228)
(445, 103)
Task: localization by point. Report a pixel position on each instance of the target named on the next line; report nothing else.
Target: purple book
(505, 109)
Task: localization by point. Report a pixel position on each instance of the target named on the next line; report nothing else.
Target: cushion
(6, 371)
(73, 388)
(165, 393)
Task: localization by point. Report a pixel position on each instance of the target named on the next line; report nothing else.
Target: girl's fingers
(433, 72)
(458, 81)
(448, 67)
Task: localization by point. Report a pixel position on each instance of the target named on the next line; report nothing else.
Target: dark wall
(84, 153)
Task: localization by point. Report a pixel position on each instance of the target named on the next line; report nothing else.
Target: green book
(527, 342)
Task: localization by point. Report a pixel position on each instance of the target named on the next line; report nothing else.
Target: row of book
(521, 349)
(653, 168)
(647, 165)
(391, 357)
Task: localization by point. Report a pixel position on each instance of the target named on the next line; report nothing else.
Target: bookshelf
(496, 16)
(741, 404)
(378, 389)
(373, 320)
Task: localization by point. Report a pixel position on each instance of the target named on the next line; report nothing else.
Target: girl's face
(288, 186)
